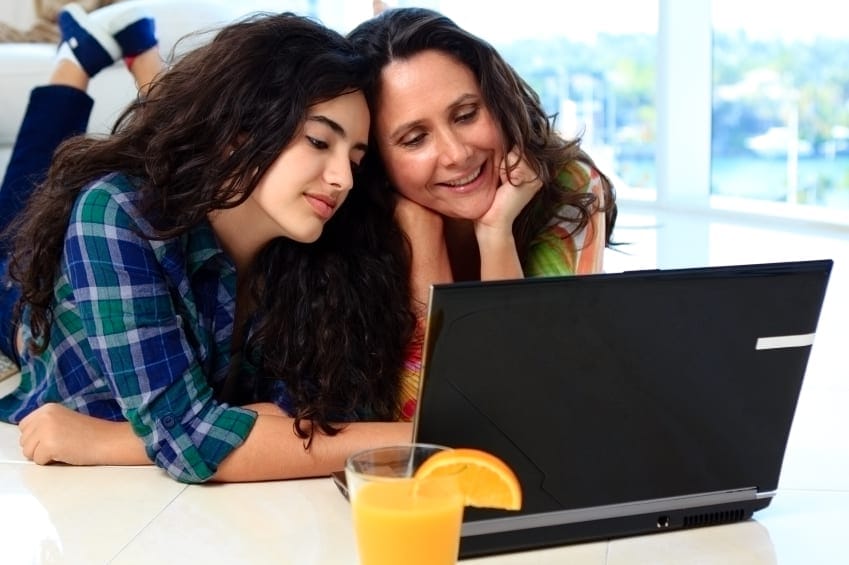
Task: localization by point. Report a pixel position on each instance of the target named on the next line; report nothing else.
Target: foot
(87, 42)
(132, 28)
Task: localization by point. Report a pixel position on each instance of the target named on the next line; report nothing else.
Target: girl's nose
(339, 173)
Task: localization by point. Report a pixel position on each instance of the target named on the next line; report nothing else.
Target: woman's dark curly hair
(201, 140)
(401, 33)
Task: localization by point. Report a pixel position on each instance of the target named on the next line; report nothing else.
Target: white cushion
(23, 66)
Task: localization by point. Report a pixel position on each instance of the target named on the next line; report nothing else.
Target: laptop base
(595, 530)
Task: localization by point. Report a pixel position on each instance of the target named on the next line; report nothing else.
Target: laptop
(627, 403)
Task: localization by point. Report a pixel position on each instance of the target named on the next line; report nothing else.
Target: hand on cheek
(517, 188)
(418, 222)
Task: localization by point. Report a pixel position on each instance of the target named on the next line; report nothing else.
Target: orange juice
(403, 521)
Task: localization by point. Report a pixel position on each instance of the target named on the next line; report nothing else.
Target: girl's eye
(317, 143)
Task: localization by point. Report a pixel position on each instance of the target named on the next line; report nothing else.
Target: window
(781, 102)
(741, 105)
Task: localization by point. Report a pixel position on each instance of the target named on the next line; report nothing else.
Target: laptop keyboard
(7, 368)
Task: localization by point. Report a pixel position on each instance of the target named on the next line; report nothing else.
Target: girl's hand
(54, 433)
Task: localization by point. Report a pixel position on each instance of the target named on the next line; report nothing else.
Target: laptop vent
(714, 518)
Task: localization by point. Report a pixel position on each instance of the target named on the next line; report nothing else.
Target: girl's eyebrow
(462, 99)
(335, 126)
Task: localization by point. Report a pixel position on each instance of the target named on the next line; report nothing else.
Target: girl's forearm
(272, 451)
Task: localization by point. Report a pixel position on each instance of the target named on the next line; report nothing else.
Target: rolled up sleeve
(137, 338)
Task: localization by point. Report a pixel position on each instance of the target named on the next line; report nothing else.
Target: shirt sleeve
(132, 326)
(557, 251)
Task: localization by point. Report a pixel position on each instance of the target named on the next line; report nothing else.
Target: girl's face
(441, 146)
(312, 176)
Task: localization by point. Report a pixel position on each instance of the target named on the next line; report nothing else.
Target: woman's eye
(467, 116)
(317, 143)
(413, 141)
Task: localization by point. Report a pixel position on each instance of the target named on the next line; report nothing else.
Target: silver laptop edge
(559, 517)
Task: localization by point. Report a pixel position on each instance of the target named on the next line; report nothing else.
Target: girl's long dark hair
(401, 33)
(200, 140)
(345, 296)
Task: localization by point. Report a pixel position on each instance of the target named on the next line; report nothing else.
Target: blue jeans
(9, 294)
(54, 113)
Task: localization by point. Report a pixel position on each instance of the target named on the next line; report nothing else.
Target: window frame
(684, 107)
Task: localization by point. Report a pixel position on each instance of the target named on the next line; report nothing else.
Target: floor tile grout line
(148, 524)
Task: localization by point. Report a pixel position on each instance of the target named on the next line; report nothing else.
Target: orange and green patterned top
(554, 252)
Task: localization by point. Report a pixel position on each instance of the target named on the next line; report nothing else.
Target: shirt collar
(202, 248)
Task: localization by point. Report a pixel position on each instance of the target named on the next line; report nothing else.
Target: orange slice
(485, 480)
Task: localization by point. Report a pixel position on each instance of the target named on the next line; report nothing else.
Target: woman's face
(441, 146)
(312, 176)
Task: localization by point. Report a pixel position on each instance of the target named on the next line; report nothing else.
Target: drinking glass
(398, 519)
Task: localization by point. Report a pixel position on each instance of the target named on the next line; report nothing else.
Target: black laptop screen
(613, 388)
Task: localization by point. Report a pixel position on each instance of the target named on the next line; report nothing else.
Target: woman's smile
(466, 183)
(441, 146)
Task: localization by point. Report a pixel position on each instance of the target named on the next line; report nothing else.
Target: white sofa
(24, 66)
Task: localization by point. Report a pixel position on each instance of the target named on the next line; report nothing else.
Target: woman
(485, 188)
(201, 254)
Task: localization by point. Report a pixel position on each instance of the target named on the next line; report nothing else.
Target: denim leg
(9, 294)
(54, 113)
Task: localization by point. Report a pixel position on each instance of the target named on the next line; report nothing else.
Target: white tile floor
(136, 515)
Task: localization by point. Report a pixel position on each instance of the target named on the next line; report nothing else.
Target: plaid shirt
(142, 330)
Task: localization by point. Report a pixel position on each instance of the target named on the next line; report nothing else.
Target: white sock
(64, 52)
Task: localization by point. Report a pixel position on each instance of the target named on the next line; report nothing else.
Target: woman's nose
(452, 149)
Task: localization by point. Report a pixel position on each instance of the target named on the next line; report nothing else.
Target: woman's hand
(422, 225)
(425, 232)
(517, 188)
(54, 433)
(494, 230)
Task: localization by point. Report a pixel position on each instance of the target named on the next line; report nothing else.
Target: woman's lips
(465, 183)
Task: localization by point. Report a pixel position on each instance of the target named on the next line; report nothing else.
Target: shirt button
(169, 421)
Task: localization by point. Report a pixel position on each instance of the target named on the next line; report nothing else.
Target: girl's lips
(322, 205)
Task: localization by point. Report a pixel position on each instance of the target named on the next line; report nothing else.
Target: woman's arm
(494, 230)
(430, 262)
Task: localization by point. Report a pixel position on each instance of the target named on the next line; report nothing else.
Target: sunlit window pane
(781, 101)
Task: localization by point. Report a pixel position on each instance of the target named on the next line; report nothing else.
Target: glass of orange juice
(398, 519)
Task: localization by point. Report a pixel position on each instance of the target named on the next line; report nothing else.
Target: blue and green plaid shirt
(142, 330)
